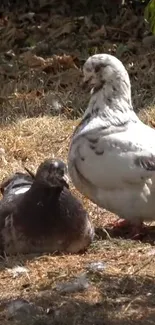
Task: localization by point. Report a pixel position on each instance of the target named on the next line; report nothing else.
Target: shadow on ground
(116, 300)
(147, 235)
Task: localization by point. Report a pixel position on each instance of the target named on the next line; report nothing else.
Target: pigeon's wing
(111, 160)
(17, 180)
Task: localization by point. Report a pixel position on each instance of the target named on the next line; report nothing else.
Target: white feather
(104, 149)
(22, 190)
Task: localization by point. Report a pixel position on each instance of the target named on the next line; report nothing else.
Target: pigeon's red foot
(122, 224)
(134, 231)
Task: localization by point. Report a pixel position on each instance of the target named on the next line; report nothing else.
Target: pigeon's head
(105, 71)
(53, 172)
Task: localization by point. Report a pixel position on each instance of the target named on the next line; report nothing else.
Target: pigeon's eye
(99, 66)
(88, 70)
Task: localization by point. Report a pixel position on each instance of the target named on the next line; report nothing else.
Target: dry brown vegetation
(40, 99)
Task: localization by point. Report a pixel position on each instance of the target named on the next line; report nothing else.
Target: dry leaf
(66, 29)
(32, 60)
(99, 32)
(57, 63)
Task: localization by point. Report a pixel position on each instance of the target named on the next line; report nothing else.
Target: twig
(118, 30)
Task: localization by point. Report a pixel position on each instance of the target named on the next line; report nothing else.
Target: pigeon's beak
(86, 84)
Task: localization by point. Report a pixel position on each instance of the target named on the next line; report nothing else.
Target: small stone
(96, 266)
(23, 311)
(78, 284)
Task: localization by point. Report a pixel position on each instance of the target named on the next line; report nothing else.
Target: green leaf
(149, 15)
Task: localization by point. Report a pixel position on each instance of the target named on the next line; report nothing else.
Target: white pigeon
(112, 153)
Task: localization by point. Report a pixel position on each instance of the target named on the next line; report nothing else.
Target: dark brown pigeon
(39, 213)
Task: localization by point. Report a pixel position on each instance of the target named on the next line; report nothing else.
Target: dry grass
(122, 294)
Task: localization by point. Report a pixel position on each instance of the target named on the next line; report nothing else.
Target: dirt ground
(41, 55)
